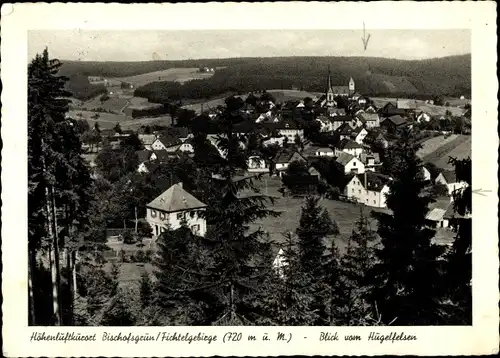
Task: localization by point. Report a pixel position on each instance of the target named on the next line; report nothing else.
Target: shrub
(148, 256)
(122, 256)
(128, 238)
(139, 256)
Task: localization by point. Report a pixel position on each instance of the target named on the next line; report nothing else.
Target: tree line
(394, 275)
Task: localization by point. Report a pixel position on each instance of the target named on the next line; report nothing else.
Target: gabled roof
(358, 130)
(344, 158)
(365, 156)
(175, 199)
(338, 111)
(374, 135)
(169, 141)
(369, 117)
(374, 181)
(284, 156)
(396, 120)
(163, 155)
(324, 149)
(349, 144)
(344, 129)
(143, 155)
(449, 176)
(436, 214)
(147, 138)
(151, 166)
(341, 118)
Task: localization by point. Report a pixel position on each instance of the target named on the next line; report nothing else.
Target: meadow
(438, 150)
(172, 74)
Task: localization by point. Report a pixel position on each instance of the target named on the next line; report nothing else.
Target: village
(332, 146)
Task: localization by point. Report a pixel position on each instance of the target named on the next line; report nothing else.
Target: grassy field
(432, 144)
(115, 104)
(287, 95)
(422, 106)
(459, 147)
(172, 74)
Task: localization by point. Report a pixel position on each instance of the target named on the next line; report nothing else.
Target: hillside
(449, 76)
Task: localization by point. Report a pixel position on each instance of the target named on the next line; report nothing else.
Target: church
(334, 91)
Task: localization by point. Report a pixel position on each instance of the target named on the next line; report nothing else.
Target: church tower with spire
(352, 87)
(330, 102)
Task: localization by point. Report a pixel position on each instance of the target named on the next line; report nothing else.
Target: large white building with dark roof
(172, 207)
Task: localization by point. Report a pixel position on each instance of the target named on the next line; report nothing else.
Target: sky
(137, 45)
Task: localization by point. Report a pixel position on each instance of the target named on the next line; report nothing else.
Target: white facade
(325, 152)
(186, 147)
(352, 151)
(426, 173)
(354, 166)
(160, 221)
(361, 136)
(273, 140)
(257, 164)
(451, 186)
(356, 190)
(291, 133)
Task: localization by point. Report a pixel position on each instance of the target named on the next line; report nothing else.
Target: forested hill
(374, 76)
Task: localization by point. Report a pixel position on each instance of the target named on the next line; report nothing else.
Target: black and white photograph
(219, 178)
(292, 177)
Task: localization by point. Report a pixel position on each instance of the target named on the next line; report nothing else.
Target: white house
(172, 207)
(350, 163)
(324, 152)
(325, 123)
(349, 146)
(186, 147)
(448, 178)
(359, 134)
(257, 164)
(368, 188)
(424, 117)
(371, 161)
(284, 158)
(426, 173)
(273, 140)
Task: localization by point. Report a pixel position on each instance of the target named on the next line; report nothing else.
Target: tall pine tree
(407, 275)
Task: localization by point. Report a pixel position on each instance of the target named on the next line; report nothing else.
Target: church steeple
(329, 91)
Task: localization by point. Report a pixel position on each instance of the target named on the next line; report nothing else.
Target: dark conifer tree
(407, 274)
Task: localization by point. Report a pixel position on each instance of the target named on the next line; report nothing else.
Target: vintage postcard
(249, 179)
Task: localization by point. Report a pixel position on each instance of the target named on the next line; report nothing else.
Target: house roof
(143, 155)
(163, 155)
(374, 135)
(369, 117)
(151, 166)
(338, 111)
(344, 158)
(358, 130)
(364, 157)
(344, 129)
(169, 141)
(324, 149)
(349, 144)
(284, 156)
(175, 199)
(374, 181)
(313, 171)
(397, 120)
(147, 138)
(436, 214)
(449, 176)
(341, 118)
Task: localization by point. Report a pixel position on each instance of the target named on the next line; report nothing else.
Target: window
(156, 230)
(374, 202)
(153, 213)
(162, 229)
(162, 216)
(353, 190)
(359, 191)
(179, 216)
(353, 164)
(192, 213)
(195, 229)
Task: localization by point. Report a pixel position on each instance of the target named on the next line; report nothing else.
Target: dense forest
(449, 76)
(374, 76)
(80, 87)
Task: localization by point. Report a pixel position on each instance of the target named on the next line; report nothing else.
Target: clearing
(422, 107)
(438, 150)
(172, 74)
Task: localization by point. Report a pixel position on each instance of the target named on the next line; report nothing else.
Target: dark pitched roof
(169, 141)
(450, 176)
(175, 199)
(374, 181)
(349, 144)
(143, 155)
(397, 120)
(344, 158)
(344, 129)
(341, 118)
(284, 156)
(163, 155)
